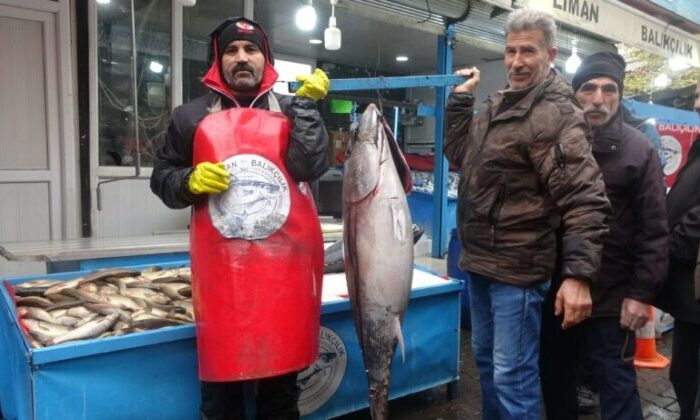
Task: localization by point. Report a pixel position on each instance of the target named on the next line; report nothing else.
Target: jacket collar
(526, 98)
(607, 139)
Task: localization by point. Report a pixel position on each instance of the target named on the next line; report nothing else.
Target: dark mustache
(242, 67)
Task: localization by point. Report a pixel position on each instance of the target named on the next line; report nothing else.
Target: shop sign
(676, 140)
(618, 22)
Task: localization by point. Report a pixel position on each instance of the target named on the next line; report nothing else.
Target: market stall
(153, 374)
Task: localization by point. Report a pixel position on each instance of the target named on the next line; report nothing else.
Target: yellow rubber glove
(209, 178)
(314, 86)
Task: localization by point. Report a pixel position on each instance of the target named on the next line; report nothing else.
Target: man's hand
(469, 85)
(209, 178)
(574, 300)
(634, 314)
(314, 86)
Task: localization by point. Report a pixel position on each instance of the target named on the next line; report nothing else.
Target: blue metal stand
(440, 168)
(441, 82)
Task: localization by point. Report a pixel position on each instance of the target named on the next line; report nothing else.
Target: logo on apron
(257, 202)
(319, 381)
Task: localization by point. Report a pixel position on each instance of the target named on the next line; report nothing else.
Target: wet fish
(65, 304)
(83, 295)
(108, 309)
(378, 242)
(91, 329)
(34, 287)
(36, 301)
(172, 290)
(44, 331)
(111, 272)
(58, 288)
(36, 313)
(53, 312)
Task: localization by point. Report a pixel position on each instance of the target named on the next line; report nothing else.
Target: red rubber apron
(257, 253)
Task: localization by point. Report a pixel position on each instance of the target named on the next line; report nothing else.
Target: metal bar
(397, 82)
(176, 40)
(397, 115)
(426, 111)
(444, 66)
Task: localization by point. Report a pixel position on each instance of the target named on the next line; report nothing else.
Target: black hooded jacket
(635, 251)
(307, 155)
(683, 204)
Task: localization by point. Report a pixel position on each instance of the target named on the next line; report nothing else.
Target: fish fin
(399, 337)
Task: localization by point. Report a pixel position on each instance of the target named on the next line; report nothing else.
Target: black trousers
(276, 399)
(607, 354)
(684, 365)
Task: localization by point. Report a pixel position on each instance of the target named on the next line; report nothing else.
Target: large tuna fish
(378, 241)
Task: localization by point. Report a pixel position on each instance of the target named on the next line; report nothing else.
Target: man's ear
(552, 54)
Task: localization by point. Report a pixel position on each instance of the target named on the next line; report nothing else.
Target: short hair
(525, 19)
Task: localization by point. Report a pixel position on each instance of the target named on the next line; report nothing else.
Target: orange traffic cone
(646, 355)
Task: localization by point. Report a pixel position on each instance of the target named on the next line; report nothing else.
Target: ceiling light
(401, 58)
(662, 80)
(332, 35)
(102, 1)
(155, 67)
(315, 41)
(305, 18)
(573, 62)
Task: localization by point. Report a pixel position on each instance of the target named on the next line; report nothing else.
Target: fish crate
(153, 374)
(421, 207)
(146, 375)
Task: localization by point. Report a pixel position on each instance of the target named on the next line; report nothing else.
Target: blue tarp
(662, 114)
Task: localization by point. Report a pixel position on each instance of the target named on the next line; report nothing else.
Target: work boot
(587, 400)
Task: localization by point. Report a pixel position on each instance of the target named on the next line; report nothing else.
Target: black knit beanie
(602, 64)
(240, 28)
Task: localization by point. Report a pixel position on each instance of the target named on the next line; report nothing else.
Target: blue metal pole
(395, 82)
(444, 67)
(396, 122)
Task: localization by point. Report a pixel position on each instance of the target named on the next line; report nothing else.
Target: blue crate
(153, 374)
(421, 206)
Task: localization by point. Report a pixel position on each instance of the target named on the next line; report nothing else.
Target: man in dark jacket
(634, 259)
(527, 170)
(240, 155)
(678, 297)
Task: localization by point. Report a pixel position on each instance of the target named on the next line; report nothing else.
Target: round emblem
(671, 153)
(245, 26)
(257, 202)
(319, 381)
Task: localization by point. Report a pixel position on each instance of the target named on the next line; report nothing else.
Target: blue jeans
(506, 323)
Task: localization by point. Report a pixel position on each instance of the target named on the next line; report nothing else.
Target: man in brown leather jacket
(527, 172)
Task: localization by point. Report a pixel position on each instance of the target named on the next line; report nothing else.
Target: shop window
(117, 144)
(197, 23)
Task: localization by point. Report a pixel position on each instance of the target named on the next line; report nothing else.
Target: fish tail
(399, 337)
(379, 403)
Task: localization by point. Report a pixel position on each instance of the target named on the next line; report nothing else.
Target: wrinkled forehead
(533, 37)
(599, 82)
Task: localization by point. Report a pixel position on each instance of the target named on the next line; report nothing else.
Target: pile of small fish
(105, 303)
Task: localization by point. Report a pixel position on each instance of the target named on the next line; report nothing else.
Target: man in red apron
(242, 156)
